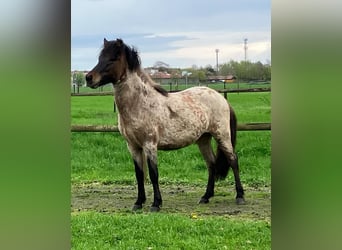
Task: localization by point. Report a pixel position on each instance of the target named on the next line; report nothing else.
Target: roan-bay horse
(151, 119)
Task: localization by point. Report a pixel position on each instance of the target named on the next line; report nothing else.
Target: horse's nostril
(89, 77)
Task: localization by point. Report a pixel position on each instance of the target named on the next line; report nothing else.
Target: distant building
(160, 75)
(227, 78)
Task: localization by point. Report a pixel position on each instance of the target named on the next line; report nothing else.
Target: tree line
(245, 71)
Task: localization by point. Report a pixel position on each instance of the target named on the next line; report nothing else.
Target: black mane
(132, 58)
(161, 90)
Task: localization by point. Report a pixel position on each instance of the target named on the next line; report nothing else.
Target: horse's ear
(119, 41)
(105, 41)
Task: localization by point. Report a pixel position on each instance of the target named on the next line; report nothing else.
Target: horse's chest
(136, 131)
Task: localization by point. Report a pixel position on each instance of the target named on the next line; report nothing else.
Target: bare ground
(183, 199)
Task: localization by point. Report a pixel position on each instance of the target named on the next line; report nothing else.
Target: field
(104, 188)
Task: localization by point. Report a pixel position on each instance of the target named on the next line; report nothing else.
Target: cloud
(200, 49)
(183, 49)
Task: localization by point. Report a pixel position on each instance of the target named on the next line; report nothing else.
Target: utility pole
(245, 48)
(217, 69)
(246, 66)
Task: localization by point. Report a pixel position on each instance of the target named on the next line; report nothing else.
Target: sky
(181, 33)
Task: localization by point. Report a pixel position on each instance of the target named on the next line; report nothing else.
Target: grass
(95, 110)
(104, 158)
(167, 231)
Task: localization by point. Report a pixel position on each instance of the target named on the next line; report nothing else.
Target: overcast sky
(180, 33)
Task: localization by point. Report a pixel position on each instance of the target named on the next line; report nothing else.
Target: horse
(151, 119)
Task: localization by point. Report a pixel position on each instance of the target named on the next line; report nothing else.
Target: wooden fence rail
(109, 128)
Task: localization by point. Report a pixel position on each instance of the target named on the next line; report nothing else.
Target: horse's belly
(178, 139)
(170, 145)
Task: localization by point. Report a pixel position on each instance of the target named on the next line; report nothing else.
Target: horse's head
(115, 60)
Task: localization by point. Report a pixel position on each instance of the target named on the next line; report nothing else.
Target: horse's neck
(129, 94)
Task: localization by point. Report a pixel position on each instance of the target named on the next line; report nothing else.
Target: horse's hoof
(154, 209)
(203, 200)
(136, 207)
(240, 201)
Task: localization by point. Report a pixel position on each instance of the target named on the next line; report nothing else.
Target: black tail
(233, 126)
(222, 163)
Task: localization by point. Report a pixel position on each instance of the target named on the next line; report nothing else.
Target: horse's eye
(110, 61)
(115, 58)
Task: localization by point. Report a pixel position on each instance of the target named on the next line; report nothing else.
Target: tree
(202, 76)
(209, 70)
(161, 66)
(227, 69)
(246, 70)
(78, 78)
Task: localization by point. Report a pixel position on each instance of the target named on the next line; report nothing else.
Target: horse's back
(205, 94)
(207, 99)
(191, 113)
(216, 108)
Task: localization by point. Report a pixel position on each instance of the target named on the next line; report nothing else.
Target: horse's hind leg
(232, 158)
(238, 186)
(204, 144)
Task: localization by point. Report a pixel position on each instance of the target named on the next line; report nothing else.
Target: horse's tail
(233, 126)
(222, 164)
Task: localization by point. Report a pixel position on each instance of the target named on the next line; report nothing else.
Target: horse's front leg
(151, 154)
(138, 160)
(210, 185)
(139, 174)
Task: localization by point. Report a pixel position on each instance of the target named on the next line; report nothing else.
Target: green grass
(251, 107)
(95, 110)
(103, 157)
(167, 231)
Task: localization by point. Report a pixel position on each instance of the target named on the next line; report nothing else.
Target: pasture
(104, 188)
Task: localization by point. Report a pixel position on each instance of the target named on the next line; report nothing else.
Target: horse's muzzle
(90, 81)
(89, 77)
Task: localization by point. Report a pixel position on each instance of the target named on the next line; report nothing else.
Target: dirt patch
(176, 199)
